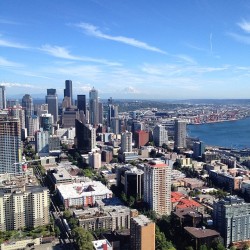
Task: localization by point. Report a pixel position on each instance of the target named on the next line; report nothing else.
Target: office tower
(10, 144)
(68, 117)
(42, 142)
(33, 125)
(160, 135)
(231, 219)
(68, 91)
(112, 113)
(46, 123)
(180, 129)
(142, 233)
(157, 187)
(85, 139)
(131, 180)
(52, 101)
(27, 104)
(24, 209)
(198, 149)
(126, 142)
(95, 160)
(81, 103)
(93, 107)
(141, 138)
(2, 97)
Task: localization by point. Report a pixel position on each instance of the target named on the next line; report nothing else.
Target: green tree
(152, 153)
(131, 201)
(83, 238)
(67, 214)
(160, 241)
(203, 247)
(189, 248)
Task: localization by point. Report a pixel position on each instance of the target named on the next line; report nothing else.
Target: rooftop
(200, 232)
(78, 190)
(142, 220)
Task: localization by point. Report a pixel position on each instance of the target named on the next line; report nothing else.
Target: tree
(67, 214)
(160, 241)
(189, 248)
(131, 201)
(83, 238)
(203, 247)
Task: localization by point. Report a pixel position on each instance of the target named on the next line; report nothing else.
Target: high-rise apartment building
(28, 106)
(33, 125)
(157, 187)
(160, 135)
(52, 101)
(93, 107)
(126, 142)
(19, 209)
(10, 144)
(180, 134)
(142, 233)
(2, 97)
(85, 139)
(231, 217)
(68, 91)
(42, 142)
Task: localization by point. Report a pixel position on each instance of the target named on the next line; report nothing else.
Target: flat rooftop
(79, 190)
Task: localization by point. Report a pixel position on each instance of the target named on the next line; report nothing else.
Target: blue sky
(126, 49)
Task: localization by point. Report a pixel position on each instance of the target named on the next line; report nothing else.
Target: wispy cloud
(6, 63)
(10, 44)
(15, 84)
(130, 90)
(64, 53)
(240, 38)
(186, 58)
(92, 30)
(244, 25)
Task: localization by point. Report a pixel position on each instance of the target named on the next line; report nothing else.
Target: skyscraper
(46, 123)
(68, 91)
(157, 187)
(180, 134)
(126, 142)
(93, 107)
(10, 144)
(81, 103)
(27, 104)
(2, 97)
(198, 149)
(160, 135)
(85, 139)
(52, 101)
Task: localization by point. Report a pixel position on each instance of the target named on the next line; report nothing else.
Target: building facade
(157, 187)
(231, 217)
(142, 233)
(180, 134)
(19, 209)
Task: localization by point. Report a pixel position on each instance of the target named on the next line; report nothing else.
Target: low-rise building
(82, 194)
(105, 217)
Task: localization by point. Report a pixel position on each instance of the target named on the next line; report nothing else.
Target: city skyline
(137, 50)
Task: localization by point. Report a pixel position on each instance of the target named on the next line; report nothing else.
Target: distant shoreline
(211, 122)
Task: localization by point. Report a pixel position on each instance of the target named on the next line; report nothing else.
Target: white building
(126, 142)
(160, 135)
(95, 160)
(83, 194)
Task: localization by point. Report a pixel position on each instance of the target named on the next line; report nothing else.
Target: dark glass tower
(81, 103)
(68, 90)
